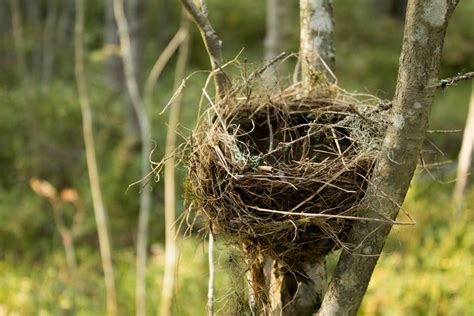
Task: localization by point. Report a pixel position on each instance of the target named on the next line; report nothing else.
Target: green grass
(425, 270)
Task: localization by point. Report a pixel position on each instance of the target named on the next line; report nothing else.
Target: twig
(442, 84)
(445, 83)
(161, 62)
(258, 72)
(321, 215)
(211, 41)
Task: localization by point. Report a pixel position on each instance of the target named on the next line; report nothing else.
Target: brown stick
(211, 41)
(444, 83)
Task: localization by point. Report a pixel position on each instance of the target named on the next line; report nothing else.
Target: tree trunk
(34, 30)
(170, 185)
(393, 8)
(113, 65)
(465, 157)
(425, 28)
(18, 41)
(29, 89)
(99, 210)
(278, 30)
(132, 84)
(49, 43)
(317, 53)
(114, 76)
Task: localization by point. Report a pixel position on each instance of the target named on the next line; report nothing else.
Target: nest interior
(283, 173)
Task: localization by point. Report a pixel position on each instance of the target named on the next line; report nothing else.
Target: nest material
(281, 174)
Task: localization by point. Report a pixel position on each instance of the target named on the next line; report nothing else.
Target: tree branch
(419, 64)
(444, 83)
(211, 41)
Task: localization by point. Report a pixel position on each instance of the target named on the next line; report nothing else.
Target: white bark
(210, 287)
(316, 38)
(145, 134)
(465, 157)
(99, 209)
(169, 179)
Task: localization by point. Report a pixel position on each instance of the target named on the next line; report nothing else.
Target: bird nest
(283, 173)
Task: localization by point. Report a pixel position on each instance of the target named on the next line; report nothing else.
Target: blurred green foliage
(425, 268)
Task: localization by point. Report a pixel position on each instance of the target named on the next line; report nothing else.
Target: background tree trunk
(316, 38)
(425, 28)
(278, 31)
(114, 76)
(49, 41)
(113, 65)
(132, 84)
(465, 157)
(393, 8)
(170, 177)
(99, 210)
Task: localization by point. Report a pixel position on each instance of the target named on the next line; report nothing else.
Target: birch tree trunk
(278, 30)
(33, 22)
(114, 69)
(132, 84)
(113, 65)
(99, 210)
(170, 185)
(49, 41)
(134, 11)
(18, 40)
(465, 157)
(316, 38)
(425, 29)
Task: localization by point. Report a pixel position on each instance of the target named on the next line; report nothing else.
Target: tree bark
(170, 185)
(49, 43)
(34, 30)
(465, 158)
(278, 30)
(99, 210)
(113, 65)
(425, 29)
(114, 70)
(132, 84)
(316, 38)
(18, 40)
